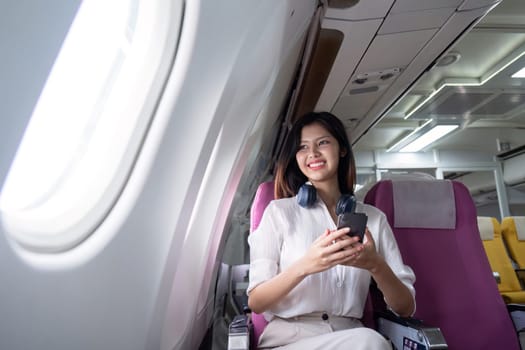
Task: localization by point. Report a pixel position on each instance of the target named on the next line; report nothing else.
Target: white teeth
(313, 165)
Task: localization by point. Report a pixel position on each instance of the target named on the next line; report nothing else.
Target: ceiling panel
(501, 105)
(492, 110)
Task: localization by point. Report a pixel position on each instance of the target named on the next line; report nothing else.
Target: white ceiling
(496, 41)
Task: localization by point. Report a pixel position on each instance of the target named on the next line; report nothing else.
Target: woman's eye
(324, 142)
(302, 147)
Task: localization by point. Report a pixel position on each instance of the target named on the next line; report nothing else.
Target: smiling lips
(316, 165)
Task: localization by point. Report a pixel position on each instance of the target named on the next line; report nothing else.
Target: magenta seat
(263, 197)
(455, 289)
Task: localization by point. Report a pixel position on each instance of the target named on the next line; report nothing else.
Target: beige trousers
(313, 332)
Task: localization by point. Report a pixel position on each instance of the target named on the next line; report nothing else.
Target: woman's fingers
(341, 233)
(328, 236)
(368, 237)
(335, 247)
(343, 242)
(343, 249)
(335, 235)
(348, 255)
(322, 238)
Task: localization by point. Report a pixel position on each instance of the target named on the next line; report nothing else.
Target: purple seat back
(263, 197)
(455, 289)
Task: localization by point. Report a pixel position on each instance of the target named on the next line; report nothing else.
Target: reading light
(426, 139)
(423, 136)
(448, 59)
(519, 74)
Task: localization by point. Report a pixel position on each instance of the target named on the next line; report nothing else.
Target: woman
(309, 278)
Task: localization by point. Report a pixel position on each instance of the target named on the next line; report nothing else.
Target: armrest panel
(517, 313)
(409, 332)
(239, 335)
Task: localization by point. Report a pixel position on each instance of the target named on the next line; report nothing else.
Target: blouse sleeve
(265, 245)
(390, 251)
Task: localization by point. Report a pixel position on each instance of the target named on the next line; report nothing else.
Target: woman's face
(318, 154)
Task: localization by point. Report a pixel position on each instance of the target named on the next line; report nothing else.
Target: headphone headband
(307, 196)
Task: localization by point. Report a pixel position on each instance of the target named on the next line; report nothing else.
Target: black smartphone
(356, 222)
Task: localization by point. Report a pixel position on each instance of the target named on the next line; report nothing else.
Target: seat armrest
(515, 307)
(240, 333)
(409, 333)
(237, 287)
(517, 313)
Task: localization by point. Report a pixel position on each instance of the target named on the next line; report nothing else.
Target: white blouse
(286, 232)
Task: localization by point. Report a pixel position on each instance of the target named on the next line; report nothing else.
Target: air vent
(377, 76)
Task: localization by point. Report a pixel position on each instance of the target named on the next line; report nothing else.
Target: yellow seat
(513, 231)
(508, 283)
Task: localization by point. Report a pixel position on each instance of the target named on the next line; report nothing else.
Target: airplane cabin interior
(139, 142)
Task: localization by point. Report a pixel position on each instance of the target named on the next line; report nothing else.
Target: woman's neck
(329, 194)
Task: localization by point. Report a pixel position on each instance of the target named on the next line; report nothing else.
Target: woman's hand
(396, 294)
(366, 256)
(330, 249)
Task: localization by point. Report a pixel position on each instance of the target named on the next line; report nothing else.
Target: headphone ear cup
(345, 204)
(307, 195)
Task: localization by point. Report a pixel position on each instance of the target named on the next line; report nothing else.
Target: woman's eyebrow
(316, 139)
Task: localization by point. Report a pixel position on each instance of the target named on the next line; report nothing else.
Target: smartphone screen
(356, 222)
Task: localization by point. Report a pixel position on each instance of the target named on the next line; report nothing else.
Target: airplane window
(89, 121)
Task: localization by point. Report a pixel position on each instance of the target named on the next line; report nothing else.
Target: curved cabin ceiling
(475, 89)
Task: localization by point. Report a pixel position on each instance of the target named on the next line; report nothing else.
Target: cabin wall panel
(118, 298)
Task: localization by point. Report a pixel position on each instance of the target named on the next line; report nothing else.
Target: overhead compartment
(415, 20)
(362, 10)
(375, 74)
(474, 4)
(421, 5)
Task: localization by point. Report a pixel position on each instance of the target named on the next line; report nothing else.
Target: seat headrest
(519, 222)
(424, 204)
(416, 175)
(486, 228)
(263, 197)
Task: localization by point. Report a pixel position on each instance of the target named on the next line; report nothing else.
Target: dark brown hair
(288, 176)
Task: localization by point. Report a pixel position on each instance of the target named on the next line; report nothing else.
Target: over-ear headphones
(307, 196)
(345, 204)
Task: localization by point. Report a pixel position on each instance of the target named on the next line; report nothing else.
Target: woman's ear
(343, 152)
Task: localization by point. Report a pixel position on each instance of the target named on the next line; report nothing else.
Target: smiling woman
(88, 123)
(301, 263)
(318, 155)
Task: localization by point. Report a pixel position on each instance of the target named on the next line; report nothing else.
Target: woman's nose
(313, 151)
